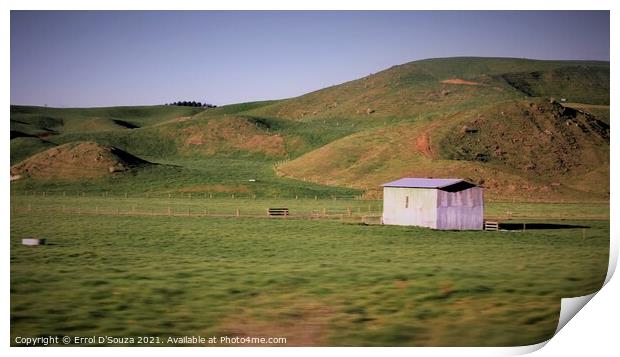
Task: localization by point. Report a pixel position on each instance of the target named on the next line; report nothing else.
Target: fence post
(349, 211)
(324, 211)
(238, 213)
(169, 212)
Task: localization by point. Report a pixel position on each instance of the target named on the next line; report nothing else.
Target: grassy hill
(489, 120)
(44, 121)
(76, 160)
(417, 88)
(589, 84)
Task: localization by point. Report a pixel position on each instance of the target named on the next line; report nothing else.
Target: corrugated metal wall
(421, 210)
(460, 210)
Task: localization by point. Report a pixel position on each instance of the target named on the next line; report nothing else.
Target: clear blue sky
(77, 58)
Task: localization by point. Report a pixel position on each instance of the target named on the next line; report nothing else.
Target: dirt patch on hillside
(77, 160)
(423, 141)
(460, 81)
(423, 144)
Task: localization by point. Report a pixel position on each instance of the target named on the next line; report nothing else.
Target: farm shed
(434, 203)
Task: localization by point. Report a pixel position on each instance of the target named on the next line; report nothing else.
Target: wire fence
(186, 195)
(303, 207)
(253, 196)
(348, 214)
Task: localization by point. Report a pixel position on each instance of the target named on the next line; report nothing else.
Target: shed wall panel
(421, 210)
(460, 210)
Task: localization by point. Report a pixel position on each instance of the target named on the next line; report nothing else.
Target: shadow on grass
(527, 226)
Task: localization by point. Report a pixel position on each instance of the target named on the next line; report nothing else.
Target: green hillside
(489, 120)
(585, 84)
(50, 121)
(418, 88)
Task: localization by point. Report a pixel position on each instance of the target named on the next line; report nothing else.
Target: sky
(106, 58)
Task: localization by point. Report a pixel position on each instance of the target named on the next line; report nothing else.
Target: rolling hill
(44, 121)
(523, 129)
(418, 88)
(77, 160)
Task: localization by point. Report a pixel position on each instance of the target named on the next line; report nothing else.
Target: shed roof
(422, 182)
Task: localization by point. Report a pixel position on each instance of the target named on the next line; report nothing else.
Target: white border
(593, 329)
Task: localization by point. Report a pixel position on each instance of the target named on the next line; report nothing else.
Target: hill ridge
(463, 116)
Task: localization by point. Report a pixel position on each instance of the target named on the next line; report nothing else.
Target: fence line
(253, 196)
(186, 195)
(237, 213)
(346, 214)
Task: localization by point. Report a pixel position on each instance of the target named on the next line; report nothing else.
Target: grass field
(318, 282)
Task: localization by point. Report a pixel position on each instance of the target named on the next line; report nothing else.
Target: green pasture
(315, 282)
